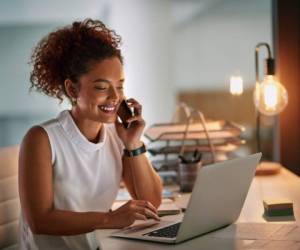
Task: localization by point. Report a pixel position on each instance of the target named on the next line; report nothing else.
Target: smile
(108, 108)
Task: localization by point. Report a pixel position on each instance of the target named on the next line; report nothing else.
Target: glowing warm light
(270, 97)
(236, 85)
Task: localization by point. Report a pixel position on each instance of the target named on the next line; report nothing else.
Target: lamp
(236, 85)
(270, 98)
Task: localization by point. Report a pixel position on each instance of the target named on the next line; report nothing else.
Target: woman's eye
(120, 88)
(100, 88)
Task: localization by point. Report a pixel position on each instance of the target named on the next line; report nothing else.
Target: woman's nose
(113, 94)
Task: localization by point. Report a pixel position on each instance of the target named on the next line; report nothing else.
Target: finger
(137, 108)
(147, 204)
(132, 100)
(144, 203)
(148, 213)
(137, 118)
(139, 216)
(134, 104)
(145, 207)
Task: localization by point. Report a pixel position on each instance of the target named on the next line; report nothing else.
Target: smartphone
(124, 112)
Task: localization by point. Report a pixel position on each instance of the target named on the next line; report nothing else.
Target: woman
(70, 167)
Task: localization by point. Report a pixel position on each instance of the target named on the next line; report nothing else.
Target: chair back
(9, 198)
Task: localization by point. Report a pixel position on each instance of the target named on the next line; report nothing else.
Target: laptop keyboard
(167, 232)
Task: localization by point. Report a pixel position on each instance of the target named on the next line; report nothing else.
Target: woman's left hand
(131, 136)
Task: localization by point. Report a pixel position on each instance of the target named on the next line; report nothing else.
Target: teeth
(107, 108)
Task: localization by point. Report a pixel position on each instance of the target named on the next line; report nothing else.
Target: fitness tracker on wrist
(135, 152)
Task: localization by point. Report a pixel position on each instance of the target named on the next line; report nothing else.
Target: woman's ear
(71, 89)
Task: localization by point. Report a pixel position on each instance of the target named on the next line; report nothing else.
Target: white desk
(283, 185)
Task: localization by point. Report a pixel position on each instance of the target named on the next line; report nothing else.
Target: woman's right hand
(132, 210)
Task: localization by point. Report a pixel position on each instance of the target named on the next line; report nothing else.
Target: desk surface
(283, 185)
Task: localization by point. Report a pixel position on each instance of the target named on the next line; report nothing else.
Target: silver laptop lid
(218, 196)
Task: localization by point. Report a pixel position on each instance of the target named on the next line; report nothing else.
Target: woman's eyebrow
(101, 80)
(107, 81)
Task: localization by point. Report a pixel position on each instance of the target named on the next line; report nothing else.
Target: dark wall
(287, 49)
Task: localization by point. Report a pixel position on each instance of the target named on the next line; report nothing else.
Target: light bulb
(270, 96)
(236, 85)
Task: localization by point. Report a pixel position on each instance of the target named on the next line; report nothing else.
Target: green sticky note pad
(277, 207)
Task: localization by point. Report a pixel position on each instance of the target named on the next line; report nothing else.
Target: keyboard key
(166, 232)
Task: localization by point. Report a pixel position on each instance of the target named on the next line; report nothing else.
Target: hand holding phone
(124, 112)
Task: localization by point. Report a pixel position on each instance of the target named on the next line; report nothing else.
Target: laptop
(216, 201)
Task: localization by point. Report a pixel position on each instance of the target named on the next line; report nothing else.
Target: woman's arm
(36, 195)
(141, 180)
(36, 191)
(138, 174)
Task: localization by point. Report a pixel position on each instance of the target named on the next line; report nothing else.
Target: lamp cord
(270, 69)
(258, 142)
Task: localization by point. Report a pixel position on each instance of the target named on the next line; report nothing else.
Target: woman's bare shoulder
(36, 133)
(36, 140)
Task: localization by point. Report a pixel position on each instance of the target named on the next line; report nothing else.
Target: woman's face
(101, 91)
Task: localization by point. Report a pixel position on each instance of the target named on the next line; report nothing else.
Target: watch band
(135, 152)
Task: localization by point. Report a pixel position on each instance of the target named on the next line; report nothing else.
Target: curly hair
(68, 53)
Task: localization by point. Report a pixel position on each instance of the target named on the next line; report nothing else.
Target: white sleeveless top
(86, 177)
